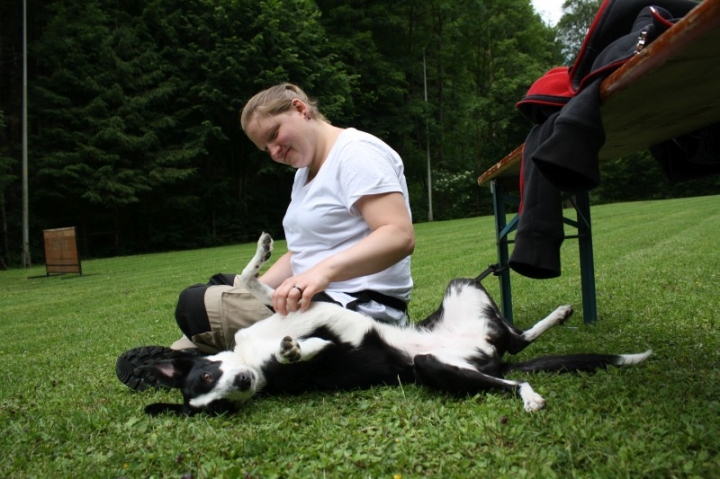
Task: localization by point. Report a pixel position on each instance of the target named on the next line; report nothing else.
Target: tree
(134, 131)
(481, 56)
(105, 136)
(480, 69)
(228, 53)
(574, 24)
(137, 114)
(7, 177)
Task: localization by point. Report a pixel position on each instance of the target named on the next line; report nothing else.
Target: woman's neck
(327, 136)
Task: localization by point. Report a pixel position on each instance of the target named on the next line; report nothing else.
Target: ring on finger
(299, 289)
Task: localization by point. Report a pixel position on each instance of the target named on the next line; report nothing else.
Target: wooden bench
(669, 89)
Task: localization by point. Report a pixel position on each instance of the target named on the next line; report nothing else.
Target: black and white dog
(457, 349)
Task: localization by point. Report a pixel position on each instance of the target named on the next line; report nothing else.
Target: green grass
(63, 413)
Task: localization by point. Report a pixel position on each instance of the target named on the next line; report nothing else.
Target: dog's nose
(242, 382)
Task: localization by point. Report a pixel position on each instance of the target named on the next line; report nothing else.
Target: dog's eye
(207, 377)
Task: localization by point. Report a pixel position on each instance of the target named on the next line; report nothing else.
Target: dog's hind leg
(292, 351)
(249, 275)
(559, 316)
(519, 342)
(431, 372)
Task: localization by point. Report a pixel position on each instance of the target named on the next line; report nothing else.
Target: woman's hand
(296, 292)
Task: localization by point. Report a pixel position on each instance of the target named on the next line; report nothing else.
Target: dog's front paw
(564, 313)
(265, 247)
(532, 401)
(289, 351)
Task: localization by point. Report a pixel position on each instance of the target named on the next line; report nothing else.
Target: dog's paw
(532, 401)
(289, 351)
(564, 313)
(265, 247)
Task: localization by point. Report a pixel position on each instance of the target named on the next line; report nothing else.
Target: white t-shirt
(322, 220)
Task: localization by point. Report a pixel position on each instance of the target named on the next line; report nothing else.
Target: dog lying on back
(457, 349)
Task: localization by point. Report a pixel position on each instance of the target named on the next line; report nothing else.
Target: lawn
(63, 413)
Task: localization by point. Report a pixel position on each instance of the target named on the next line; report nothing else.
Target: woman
(348, 229)
(348, 226)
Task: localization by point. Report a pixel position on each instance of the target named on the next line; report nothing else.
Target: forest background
(133, 109)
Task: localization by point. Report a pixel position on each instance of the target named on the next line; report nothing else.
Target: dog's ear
(169, 372)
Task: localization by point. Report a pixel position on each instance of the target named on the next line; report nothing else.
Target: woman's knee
(190, 312)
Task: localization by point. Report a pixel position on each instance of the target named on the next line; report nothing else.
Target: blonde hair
(276, 100)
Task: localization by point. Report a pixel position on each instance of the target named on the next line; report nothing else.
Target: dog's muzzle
(242, 382)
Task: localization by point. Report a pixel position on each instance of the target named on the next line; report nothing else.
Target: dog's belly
(454, 347)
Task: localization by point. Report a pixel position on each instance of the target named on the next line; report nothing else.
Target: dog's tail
(576, 362)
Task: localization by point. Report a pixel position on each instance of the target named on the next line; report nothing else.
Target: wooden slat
(669, 89)
(508, 166)
(61, 254)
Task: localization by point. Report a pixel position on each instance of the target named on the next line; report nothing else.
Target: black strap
(323, 297)
(495, 269)
(368, 295)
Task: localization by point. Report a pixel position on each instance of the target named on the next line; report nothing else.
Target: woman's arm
(392, 238)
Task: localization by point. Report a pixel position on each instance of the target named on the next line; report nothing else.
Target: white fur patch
(631, 359)
(531, 400)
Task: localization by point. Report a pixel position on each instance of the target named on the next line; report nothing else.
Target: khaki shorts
(229, 309)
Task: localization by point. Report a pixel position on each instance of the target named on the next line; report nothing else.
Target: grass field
(63, 413)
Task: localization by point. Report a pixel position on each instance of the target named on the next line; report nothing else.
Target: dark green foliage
(104, 132)
(576, 20)
(134, 135)
(639, 177)
(137, 112)
(479, 58)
